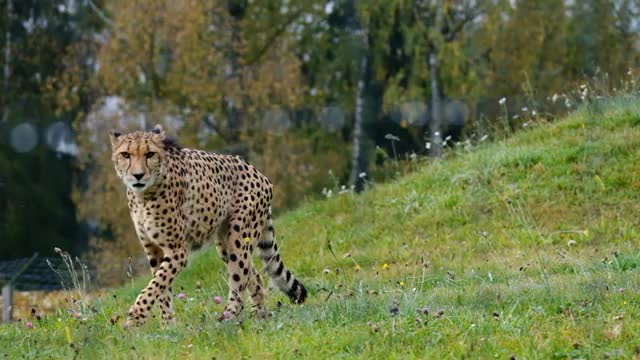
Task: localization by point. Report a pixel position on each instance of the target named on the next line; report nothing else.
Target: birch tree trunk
(434, 69)
(358, 136)
(436, 106)
(359, 155)
(233, 109)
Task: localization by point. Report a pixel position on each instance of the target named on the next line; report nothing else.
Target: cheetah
(180, 199)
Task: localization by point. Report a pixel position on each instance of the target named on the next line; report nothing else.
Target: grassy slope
(527, 247)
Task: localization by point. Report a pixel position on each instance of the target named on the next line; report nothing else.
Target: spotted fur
(180, 199)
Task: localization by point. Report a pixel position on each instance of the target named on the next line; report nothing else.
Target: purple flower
(181, 296)
(217, 299)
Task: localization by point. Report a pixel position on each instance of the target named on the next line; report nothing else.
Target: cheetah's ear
(158, 132)
(114, 136)
(157, 129)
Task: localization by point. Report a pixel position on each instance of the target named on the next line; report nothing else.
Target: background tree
(602, 37)
(537, 55)
(36, 145)
(441, 22)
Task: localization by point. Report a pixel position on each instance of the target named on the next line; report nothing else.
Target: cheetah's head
(139, 157)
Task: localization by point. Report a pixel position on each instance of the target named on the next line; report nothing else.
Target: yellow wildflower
(385, 266)
(356, 268)
(67, 331)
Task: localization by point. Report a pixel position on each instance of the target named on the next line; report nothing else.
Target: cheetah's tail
(280, 275)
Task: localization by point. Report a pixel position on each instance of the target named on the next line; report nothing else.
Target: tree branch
(470, 14)
(213, 126)
(273, 36)
(100, 13)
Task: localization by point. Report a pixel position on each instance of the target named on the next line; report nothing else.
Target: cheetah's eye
(125, 154)
(150, 154)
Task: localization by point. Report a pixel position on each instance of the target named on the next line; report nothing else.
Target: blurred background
(322, 96)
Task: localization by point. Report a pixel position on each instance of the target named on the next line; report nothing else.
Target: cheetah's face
(138, 157)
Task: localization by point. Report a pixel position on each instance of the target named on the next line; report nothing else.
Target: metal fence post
(7, 302)
(7, 291)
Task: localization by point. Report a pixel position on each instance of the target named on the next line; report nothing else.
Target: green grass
(526, 247)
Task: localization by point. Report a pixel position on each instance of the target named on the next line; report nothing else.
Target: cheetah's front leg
(159, 288)
(154, 255)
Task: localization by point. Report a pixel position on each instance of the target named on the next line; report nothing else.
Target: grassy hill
(526, 247)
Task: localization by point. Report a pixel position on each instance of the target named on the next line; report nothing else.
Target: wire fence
(42, 273)
(39, 274)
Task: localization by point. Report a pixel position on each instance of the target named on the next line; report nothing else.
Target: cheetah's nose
(138, 176)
